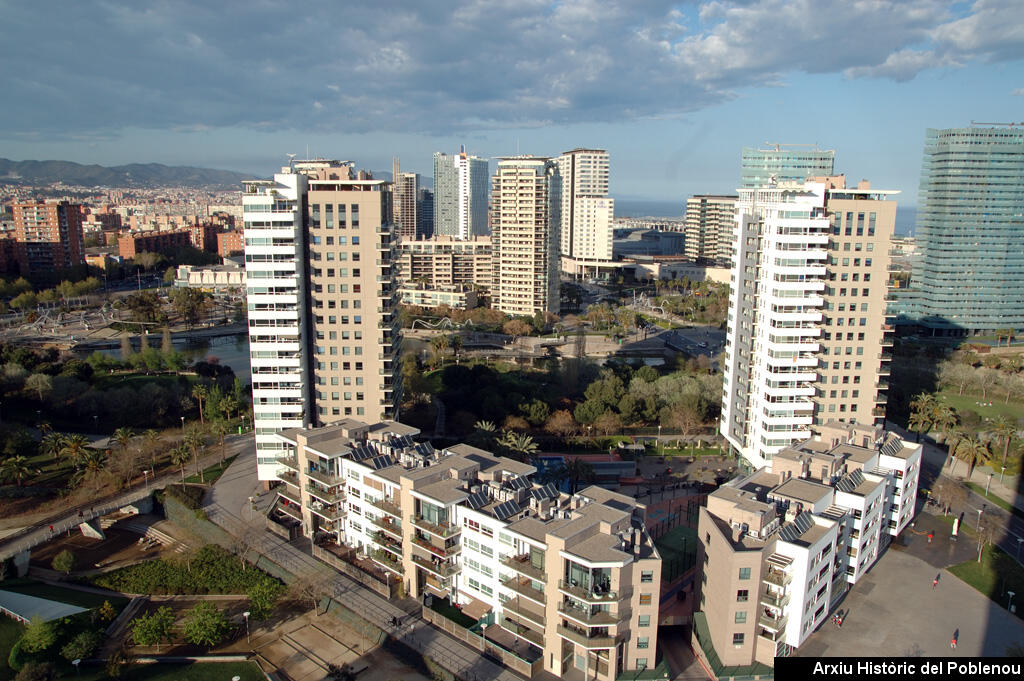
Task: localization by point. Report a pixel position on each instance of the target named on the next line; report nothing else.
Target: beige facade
(781, 546)
(559, 581)
(709, 224)
(446, 261)
(524, 224)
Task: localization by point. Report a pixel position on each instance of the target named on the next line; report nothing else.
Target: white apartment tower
(807, 331)
(525, 225)
(321, 297)
(460, 195)
(587, 212)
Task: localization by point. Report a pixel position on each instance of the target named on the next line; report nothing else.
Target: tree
(179, 457)
(263, 597)
(608, 423)
(306, 589)
(155, 628)
(949, 494)
(516, 328)
(944, 419)
(81, 646)
(985, 379)
(520, 445)
(75, 448)
(685, 416)
(195, 441)
(1006, 431)
(16, 468)
(220, 428)
(107, 612)
(200, 393)
(190, 304)
(205, 625)
(64, 562)
(973, 451)
(918, 422)
(576, 470)
(51, 444)
(37, 671)
(561, 424)
(40, 384)
(151, 444)
(123, 436)
(38, 636)
(535, 411)
(485, 433)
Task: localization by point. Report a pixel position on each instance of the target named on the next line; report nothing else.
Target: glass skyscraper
(968, 274)
(784, 163)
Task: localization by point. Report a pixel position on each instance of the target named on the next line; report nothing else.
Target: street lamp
(183, 424)
(989, 483)
(1001, 472)
(980, 510)
(659, 439)
(247, 637)
(96, 422)
(1009, 600)
(145, 472)
(75, 663)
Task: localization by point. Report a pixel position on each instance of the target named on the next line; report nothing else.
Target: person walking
(952, 642)
(935, 582)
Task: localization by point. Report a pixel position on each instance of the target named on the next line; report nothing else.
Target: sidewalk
(231, 493)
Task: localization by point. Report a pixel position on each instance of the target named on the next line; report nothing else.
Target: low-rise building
(212, 278)
(131, 243)
(780, 546)
(446, 261)
(561, 581)
(457, 296)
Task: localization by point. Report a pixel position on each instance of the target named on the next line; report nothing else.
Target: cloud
(1019, 92)
(408, 66)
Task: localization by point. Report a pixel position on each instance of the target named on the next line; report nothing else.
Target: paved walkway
(228, 506)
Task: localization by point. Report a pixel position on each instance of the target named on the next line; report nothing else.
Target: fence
(507, 658)
(341, 565)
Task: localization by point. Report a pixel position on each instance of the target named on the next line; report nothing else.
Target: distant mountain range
(132, 175)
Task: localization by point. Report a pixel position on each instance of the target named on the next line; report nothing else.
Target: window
(647, 576)
(641, 663)
(643, 621)
(745, 573)
(742, 596)
(643, 642)
(645, 599)
(737, 639)
(741, 617)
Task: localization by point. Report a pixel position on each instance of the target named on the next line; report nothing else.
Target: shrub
(37, 671)
(190, 496)
(64, 562)
(81, 646)
(206, 625)
(38, 636)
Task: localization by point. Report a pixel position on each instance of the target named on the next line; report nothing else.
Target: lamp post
(183, 424)
(145, 473)
(1019, 540)
(96, 422)
(247, 637)
(1001, 473)
(988, 484)
(659, 439)
(980, 511)
(1009, 599)
(75, 663)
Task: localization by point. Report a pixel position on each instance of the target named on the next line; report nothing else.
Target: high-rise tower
(460, 195)
(319, 242)
(48, 236)
(525, 221)
(807, 331)
(587, 212)
(709, 224)
(968, 274)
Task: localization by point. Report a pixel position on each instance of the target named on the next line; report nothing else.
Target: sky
(673, 90)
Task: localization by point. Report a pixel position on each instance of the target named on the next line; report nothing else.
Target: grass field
(998, 501)
(996, 574)
(211, 474)
(1012, 410)
(678, 549)
(10, 632)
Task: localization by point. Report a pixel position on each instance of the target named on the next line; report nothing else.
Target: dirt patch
(119, 548)
(232, 608)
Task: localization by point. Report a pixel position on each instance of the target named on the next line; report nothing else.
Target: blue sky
(672, 90)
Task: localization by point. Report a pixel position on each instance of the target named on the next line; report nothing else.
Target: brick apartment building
(48, 236)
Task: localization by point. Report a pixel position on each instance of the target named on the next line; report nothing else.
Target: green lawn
(998, 501)
(137, 381)
(211, 474)
(678, 549)
(199, 671)
(454, 614)
(10, 632)
(996, 574)
(1013, 410)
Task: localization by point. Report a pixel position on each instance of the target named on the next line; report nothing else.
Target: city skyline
(684, 89)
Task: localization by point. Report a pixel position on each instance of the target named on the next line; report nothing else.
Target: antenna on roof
(291, 160)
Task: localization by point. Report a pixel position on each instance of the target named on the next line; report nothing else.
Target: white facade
(587, 213)
(775, 311)
(460, 195)
(275, 269)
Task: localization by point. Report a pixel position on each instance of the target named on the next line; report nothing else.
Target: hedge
(212, 570)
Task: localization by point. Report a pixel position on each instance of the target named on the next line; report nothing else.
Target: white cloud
(1019, 92)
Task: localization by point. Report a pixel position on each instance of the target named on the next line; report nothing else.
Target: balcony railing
(289, 462)
(778, 578)
(523, 588)
(387, 526)
(291, 511)
(289, 477)
(326, 497)
(328, 512)
(523, 566)
(773, 599)
(443, 530)
(772, 623)
(587, 616)
(387, 561)
(325, 478)
(582, 637)
(520, 608)
(385, 541)
(388, 507)
(439, 568)
(589, 595)
(439, 551)
(293, 498)
(523, 632)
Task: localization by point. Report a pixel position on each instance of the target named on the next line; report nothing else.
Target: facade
(447, 261)
(323, 333)
(968, 272)
(784, 163)
(425, 214)
(562, 581)
(132, 243)
(48, 236)
(460, 195)
(457, 296)
(230, 242)
(779, 547)
(709, 223)
(807, 327)
(524, 224)
(587, 213)
(219, 278)
(407, 187)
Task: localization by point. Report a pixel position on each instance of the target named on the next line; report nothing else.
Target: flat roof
(802, 490)
(599, 548)
(24, 607)
(446, 491)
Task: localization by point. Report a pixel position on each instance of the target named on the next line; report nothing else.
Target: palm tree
(221, 429)
(944, 419)
(123, 436)
(75, 448)
(93, 460)
(52, 443)
(179, 457)
(151, 441)
(972, 450)
(519, 444)
(16, 468)
(486, 432)
(954, 437)
(195, 442)
(199, 392)
(1007, 431)
(919, 422)
(578, 470)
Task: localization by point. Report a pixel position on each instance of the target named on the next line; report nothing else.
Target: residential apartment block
(587, 212)
(460, 195)
(556, 581)
(131, 244)
(48, 236)
(525, 221)
(407, 188)
(446, 261)
(807, 332)
(709, 223)
(780, 546)
(323, 335)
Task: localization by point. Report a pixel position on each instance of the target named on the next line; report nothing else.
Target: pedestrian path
(240, 483)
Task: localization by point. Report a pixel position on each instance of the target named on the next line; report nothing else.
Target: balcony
(388, 507)
(289, 462)
(773, 624)
(290, 478)
(524, 610)
(388, 543)
(438, 568)
(325, 478)
(434, 550)
(778, 577)
(587, 616)
(326, 497)
(773, 599)
(443, 530)
(387, 561)
(589, 596)
(292, 498)
(583, 638)
(523, 566)
(329, 512)
(524, 588)
(388, 526)
(523, 632)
